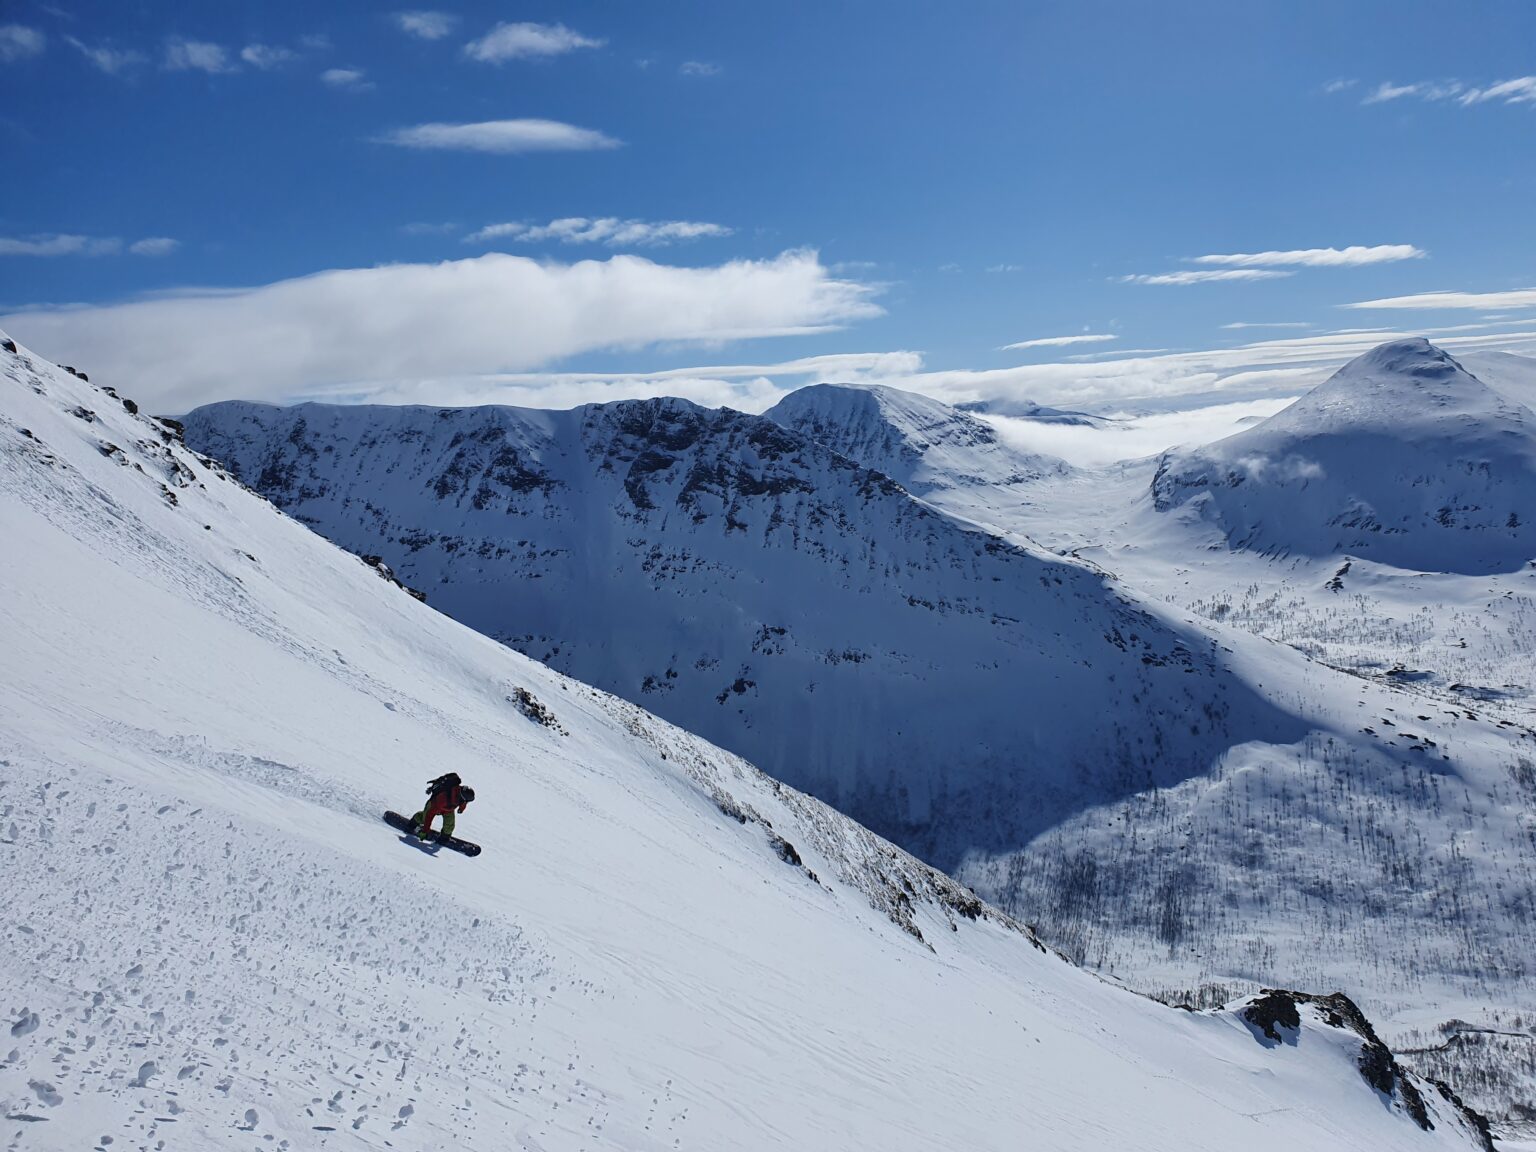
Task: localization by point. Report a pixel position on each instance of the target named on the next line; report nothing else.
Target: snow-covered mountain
(210, 936)
(1402, 457)
(759, 588)
(920, 443)
(1167, 797)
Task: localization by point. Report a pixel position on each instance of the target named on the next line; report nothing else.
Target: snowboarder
(445, 796)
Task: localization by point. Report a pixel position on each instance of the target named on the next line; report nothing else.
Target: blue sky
(946, 180)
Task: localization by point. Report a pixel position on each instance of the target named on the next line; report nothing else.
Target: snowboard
(395, 820)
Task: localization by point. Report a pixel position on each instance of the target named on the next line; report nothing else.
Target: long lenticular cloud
(1353, 256)
(504, 137)
(366, 327)
(1516, 298)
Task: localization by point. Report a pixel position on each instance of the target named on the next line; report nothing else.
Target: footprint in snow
(46, 1093)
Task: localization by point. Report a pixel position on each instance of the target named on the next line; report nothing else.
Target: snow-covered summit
(1402, 456)
(920, 442)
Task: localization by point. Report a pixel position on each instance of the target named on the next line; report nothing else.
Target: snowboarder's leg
(420, 822)
(448, 822)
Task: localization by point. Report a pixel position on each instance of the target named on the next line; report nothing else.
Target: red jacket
(444, 800)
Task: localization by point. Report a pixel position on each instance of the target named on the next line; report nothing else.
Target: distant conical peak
(1415, 357)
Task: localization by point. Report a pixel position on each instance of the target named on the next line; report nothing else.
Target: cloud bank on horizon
(495, 328)
(340, 169)
(397, 327)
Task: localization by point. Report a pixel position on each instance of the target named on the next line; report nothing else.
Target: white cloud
(267, 56)
(59, 244)
(73, 244)
(18, 41)
(1518, 298)
(112, 61)
(426, 25)
(502, 136)
(1204, 276)
(154, 246)
(526, 41)
(1058, 341)
(1334, 86)
(609, 230)
(1278, 324)
(1005, 268)
(745, 387)
(699, 68)
(1133, 436)
(1424, 90)
(1519, 90)
(364, 331)
(1115, 353)
(182, 55)
(346, 79)
(1351, 257)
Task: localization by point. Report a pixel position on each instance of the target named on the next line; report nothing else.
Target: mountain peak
(922, 443)
(1402, 456)
(1414, 364)
(1414, 355)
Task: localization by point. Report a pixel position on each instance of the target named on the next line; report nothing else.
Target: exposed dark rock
(1279, 1008)
(388, 573)
(1272, 1011)
(530, 706)
(786, 851)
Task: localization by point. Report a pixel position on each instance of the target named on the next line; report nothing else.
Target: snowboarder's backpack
(443, 783)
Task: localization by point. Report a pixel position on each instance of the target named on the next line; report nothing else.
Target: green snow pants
(424, 821)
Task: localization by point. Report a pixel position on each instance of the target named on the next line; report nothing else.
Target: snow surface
(210, 938)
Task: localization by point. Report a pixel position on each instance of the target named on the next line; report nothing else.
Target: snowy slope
(1508, 373)
(210, 938)
(1402, 457)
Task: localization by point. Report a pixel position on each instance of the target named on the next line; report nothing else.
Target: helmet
(466, 794)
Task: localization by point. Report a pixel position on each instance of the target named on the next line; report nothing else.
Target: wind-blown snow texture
(1168, 798)
(210, 938)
